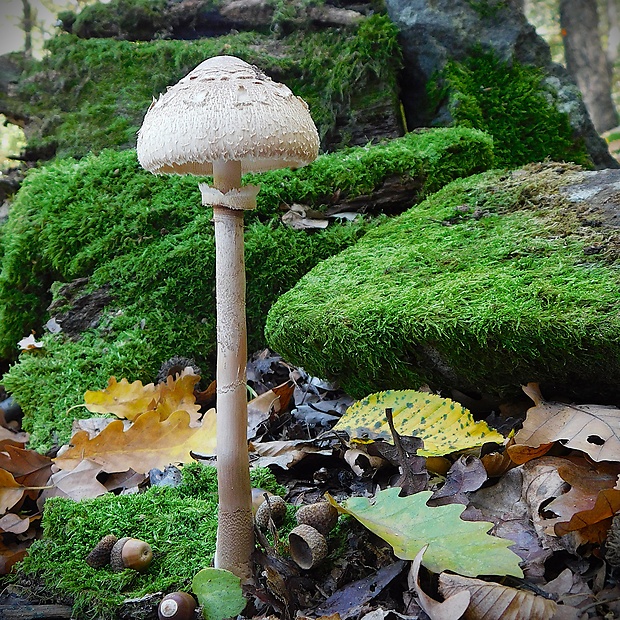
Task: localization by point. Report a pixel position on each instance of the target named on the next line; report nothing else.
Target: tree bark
(27, 25)
(613, 36)
(586, 60)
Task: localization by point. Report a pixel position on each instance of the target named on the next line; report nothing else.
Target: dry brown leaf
(148, 443)
(178, 395)
(452, 608)
(593, 429)
(14, 524)
(593, 524)
(76, 484)
(520, 454)
(10, 491)
(123, 399)
(27, 466)
(284, 454)
(492, 601)
(15, 437)
(262, 407)
(587, 483)
(11, 554)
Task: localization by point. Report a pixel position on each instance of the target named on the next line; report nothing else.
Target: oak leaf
(445, 426)
(148, 443)
(593, 429)
(27, 466)
(123, 399)
(10, 491)
(408, 524)
(492, 601)
(178, 395)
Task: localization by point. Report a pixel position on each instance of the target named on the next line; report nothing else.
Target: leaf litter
(519, 521)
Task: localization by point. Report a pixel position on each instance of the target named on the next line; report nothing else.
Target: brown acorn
(130, 553)
(307, 546)
(276, 506)
(322, 516)
(100, 555)
(176, 606)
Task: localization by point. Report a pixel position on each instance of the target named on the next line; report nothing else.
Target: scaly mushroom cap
(227, 110)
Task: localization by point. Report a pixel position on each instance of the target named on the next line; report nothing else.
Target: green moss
(150, 241)
(511, 103)
(93, 93)
(485, 286)
(179, 523)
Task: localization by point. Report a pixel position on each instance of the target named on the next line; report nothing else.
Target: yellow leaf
(149, 442)
(444, 425)
(124, 399)
(176, 395)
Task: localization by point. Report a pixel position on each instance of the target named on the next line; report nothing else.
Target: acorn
(322, 516)
(307, 546)
(275, 506)
(176, 606)
(100, 555)
(130, 553)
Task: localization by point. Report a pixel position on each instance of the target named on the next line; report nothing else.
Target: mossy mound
(90, 94)
(179, 523)
(147, 243)
(490, 283)
(516, 104)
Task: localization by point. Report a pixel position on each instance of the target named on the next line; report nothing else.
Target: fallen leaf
(178, 395)
(492, 601)
(219, 593)
(349, 600)
(123, 399)
(76, 484)
(14, 524)
(300, 217)
(593, 429)
(10, 491)
(596, 520)
(466, 474)
(444, 425)
(16, 437)
(408, 524)
(11, 554)
(451, 609)
(261, 408)
(148, 443)
(284, 454)
(29, 468)
(519, 454)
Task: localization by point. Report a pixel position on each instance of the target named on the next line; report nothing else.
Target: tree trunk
(27, 24)
(586, 61)
(613, 36)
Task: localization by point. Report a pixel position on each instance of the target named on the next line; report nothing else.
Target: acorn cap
(322, 516)
(226, 110)
(307, 546)
(274, 506)
(116, 555)
(100, 555)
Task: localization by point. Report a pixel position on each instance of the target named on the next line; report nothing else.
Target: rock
(433, 33)
(495, 281)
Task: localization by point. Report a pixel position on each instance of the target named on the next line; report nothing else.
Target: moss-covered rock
(514, 103)
(492, 282)
(179, 523)
(89, 94)
(146, 245)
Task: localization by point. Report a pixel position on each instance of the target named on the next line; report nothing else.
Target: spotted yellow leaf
(444, 425)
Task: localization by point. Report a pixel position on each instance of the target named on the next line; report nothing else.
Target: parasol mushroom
(225, 118)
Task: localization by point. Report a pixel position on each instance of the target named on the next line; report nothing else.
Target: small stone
(100, 555)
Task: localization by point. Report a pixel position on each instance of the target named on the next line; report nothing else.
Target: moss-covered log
(146, 245)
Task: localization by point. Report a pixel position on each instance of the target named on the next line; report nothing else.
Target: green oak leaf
(408, 524)
(445, 426)
(219, 592)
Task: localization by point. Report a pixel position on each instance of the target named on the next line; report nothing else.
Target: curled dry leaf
(451, 609)
(492, 601)
(593, 429)
(14, 524)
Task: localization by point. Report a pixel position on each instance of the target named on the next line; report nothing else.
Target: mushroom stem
(235, 533)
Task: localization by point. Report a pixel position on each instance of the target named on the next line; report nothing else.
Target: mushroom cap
(226, 110)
